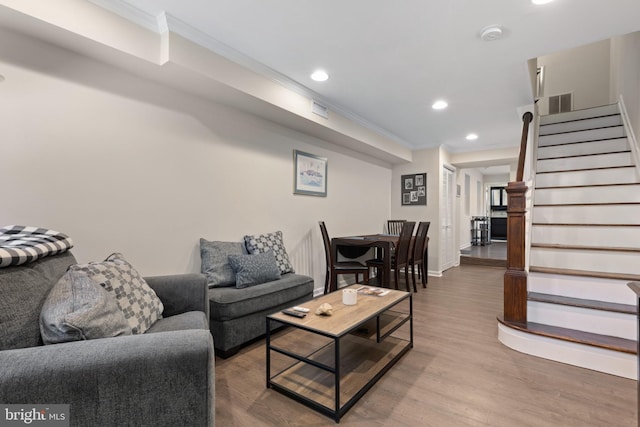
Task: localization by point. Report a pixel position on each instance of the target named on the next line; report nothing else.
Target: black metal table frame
(339, 411)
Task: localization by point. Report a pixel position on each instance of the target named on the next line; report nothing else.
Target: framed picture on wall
(309, 174)
(414, 189)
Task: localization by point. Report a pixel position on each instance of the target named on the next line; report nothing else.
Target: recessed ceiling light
(472, 136)
(440, 105)
(320, 76)
(541, 1)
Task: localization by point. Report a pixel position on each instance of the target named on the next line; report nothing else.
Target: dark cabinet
(499, 228)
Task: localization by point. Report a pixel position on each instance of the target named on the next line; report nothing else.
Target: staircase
(585, 243)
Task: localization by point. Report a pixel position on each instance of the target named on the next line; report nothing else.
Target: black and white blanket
(20, 244)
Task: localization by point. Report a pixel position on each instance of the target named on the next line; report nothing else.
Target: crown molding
(166, 22)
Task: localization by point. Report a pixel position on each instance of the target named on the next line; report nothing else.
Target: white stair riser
(592, 288)
(604, 214)
(597, 122)
(583, 319)
(585, 162)
(602, 176)
(624, 237)
(598, 359)
(585, 135)
(604, 110)
(580, 148)
(612, 194)
(600, 261)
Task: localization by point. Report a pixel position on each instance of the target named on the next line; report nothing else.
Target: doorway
(447, 234)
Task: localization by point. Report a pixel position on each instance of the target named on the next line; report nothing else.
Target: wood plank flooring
(457, 374)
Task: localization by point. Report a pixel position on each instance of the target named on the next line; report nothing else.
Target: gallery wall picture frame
(309, 174)
(413, 189)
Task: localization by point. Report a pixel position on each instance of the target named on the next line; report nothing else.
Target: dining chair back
(418, 254)
(400, 257)
(394, 226)
(335, 267)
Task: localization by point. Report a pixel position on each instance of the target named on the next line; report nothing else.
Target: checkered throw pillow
(139, 303)
(21, 244)
(270, 241)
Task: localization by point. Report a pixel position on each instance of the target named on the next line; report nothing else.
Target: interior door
(447, 241)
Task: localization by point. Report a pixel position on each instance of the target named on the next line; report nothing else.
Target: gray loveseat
(244, 288)
(238, 316)
(164, 377)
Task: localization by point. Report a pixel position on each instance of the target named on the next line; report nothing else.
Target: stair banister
(515, 278)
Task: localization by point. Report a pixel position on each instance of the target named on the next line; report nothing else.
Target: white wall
(625, 75)
(423, 161)
(583, 70)
(476, 203)
(124, 164)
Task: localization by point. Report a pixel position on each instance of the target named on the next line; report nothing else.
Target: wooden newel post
(515, 279)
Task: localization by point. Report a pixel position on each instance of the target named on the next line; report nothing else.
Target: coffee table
(329, 362)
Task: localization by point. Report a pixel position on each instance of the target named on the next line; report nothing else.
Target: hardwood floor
(457, 374)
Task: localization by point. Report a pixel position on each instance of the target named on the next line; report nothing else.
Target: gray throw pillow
(254, 269)
(139, 303)
(273, 242)
(214, 257)
(78, 309)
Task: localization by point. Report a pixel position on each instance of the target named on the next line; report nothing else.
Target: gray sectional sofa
(164, 377)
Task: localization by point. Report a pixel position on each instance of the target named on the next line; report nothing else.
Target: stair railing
(515, 278)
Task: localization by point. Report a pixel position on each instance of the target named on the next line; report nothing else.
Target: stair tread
(578, 119)
(557, 224)
(586, 186)
(587, 204)
(584, 273)
(604, 153)
(579, 142)
(586, 169)
(581, 130)
(583, 303)
(581, 337)
(584, 248)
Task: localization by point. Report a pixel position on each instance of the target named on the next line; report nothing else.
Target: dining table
(358, 245)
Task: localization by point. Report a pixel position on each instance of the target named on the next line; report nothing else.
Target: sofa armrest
(156, 379)
(181, 293)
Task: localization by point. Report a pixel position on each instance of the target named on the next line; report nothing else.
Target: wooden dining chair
(416, 255)
(400, 258)
(340, 267)
(394, 226)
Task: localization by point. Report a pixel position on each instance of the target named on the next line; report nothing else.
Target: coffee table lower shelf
(312, 380)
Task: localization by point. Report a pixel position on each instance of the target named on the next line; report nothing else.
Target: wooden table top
(345, 317)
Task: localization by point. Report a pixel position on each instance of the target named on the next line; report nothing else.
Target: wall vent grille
(560, 103)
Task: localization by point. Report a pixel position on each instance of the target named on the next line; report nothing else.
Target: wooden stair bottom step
(583, 303)
(580, 337)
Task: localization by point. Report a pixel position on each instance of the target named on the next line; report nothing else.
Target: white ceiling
(388, 61)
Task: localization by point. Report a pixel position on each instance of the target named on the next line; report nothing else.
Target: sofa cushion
(231, 303)
(214, 258)
(139, 303)
(270, 241)
(251, 270)
(180, 322)
(78, 309)
(23, 290)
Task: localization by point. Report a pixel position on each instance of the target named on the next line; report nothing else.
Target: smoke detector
(491, 33)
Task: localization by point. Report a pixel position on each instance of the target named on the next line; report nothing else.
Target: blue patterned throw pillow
(273, 242)
(254, 269)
